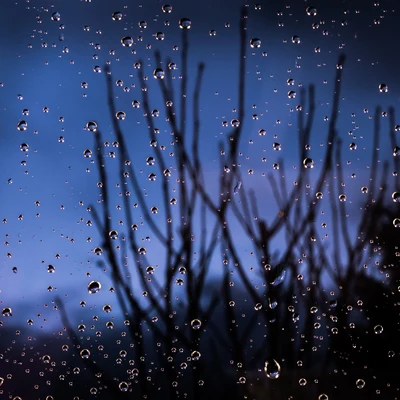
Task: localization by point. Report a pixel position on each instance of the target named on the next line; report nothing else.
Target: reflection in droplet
(85, 353)
(272, 369)
(195, 324)
(7, 312)
(360, 383)
(378, 329)
(24, 147)
(94, 287)
(22, 125)
(383, 88)
(255, 43)
(396, 197)
(308, 163)
(185, 23)
(117, 16)
(127, 41)
(159, 73)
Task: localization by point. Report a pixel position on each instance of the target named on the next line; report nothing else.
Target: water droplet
(51, 269)
(291, 94)
(113, 235)
(91, 126)
(383, 88)
(378, 329)
(311, 11)
(85, 353)
(195, 355)
(87, 153)
(94, 287)
(272, 369)
(166, 8)
(127, 41)
(142, 24)
(396, 197)
(308, 163)
(117, 16)
(185, 23)
(55, 16)
(123, 386)
(7, 312)
(342, 198)
(302, 382)
(396, 222)
(277, 146)
(295, 39)
(159, 73)
(255, 43)
(196, 324)
(22, 125)
(120, 115)
(323, 396)
(360, 383)
(46, 359)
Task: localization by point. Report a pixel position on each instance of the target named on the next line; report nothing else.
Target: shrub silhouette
(216, 340)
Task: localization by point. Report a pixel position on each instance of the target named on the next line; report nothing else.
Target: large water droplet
(94, 287)
(22, 125)
(272, 369)
(185, 23)
(127, 41)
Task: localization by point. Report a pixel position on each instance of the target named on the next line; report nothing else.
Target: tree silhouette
(234, 338)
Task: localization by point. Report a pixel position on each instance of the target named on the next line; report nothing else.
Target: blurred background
(53, 83)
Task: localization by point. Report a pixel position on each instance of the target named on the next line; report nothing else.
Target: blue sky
(56, 174)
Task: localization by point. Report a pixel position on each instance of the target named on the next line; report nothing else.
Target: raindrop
(383, 88)
(159, 73)
(166, 8)
(308, 163)
(195, 355)
(56, 16)
(22, 126)
(91, 126)
(396, 197)
(127, 41)
(378, 329)
(311, 11)
(7, 312)
(94, 287)
(255, 43)
(117, 16)
(113, 235)
(120, 115)
(185, 23)
(123, 386)
(396, 222)
(51, 269)
(87, 153)
(360, 383)
(295, 39)
(272, 369)
(196, 324)
(85, 353)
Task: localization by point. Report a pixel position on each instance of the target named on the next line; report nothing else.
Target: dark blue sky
(46, 65)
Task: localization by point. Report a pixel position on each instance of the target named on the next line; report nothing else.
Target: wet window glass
(199, 200)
